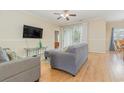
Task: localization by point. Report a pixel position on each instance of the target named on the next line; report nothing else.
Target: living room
(91, 27)
(52, 46)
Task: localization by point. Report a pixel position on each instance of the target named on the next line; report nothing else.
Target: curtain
(67, 37)
(111, 48)
(74, 34)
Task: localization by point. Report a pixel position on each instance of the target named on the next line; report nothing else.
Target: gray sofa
(71, 60)
(22, 70)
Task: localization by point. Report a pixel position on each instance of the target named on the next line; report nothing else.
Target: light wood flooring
(106, 67)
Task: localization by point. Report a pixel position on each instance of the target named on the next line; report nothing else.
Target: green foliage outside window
(76, 36)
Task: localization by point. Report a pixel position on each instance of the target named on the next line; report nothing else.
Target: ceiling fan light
(62, 15)
(66, 15)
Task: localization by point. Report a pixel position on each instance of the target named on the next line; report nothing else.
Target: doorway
(57, 40)
(117, 35)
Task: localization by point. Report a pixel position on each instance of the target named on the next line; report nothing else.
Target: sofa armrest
(10, 69)
(61, 57)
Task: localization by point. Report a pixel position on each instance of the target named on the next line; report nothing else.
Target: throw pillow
(65, 49)
(11, 54)
(3, 56)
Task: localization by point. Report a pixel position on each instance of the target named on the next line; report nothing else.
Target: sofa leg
(73, 75)
(37, 80)
(52, 67)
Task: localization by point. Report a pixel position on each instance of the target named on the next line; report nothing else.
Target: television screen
(32, 32)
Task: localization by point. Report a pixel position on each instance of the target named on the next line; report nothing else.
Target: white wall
(97, 36)
(11, 31)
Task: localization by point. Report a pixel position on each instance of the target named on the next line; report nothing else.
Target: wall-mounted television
(32, 32)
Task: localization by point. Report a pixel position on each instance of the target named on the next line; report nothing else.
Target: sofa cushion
(3, 56)
(73, 48)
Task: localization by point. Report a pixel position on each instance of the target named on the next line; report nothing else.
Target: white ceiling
(108, 15)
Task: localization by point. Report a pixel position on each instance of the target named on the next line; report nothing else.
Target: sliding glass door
(74, 34)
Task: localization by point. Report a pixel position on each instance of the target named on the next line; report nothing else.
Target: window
(118, 34)
(74, 34)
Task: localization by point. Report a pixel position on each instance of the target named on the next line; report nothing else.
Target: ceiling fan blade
(57, 13)
(72, 14)
(59, 18)
(67, 18)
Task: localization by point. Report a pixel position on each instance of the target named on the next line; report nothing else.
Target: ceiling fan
(64, 15)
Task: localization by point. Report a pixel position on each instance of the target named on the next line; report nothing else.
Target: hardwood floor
(106, 67)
